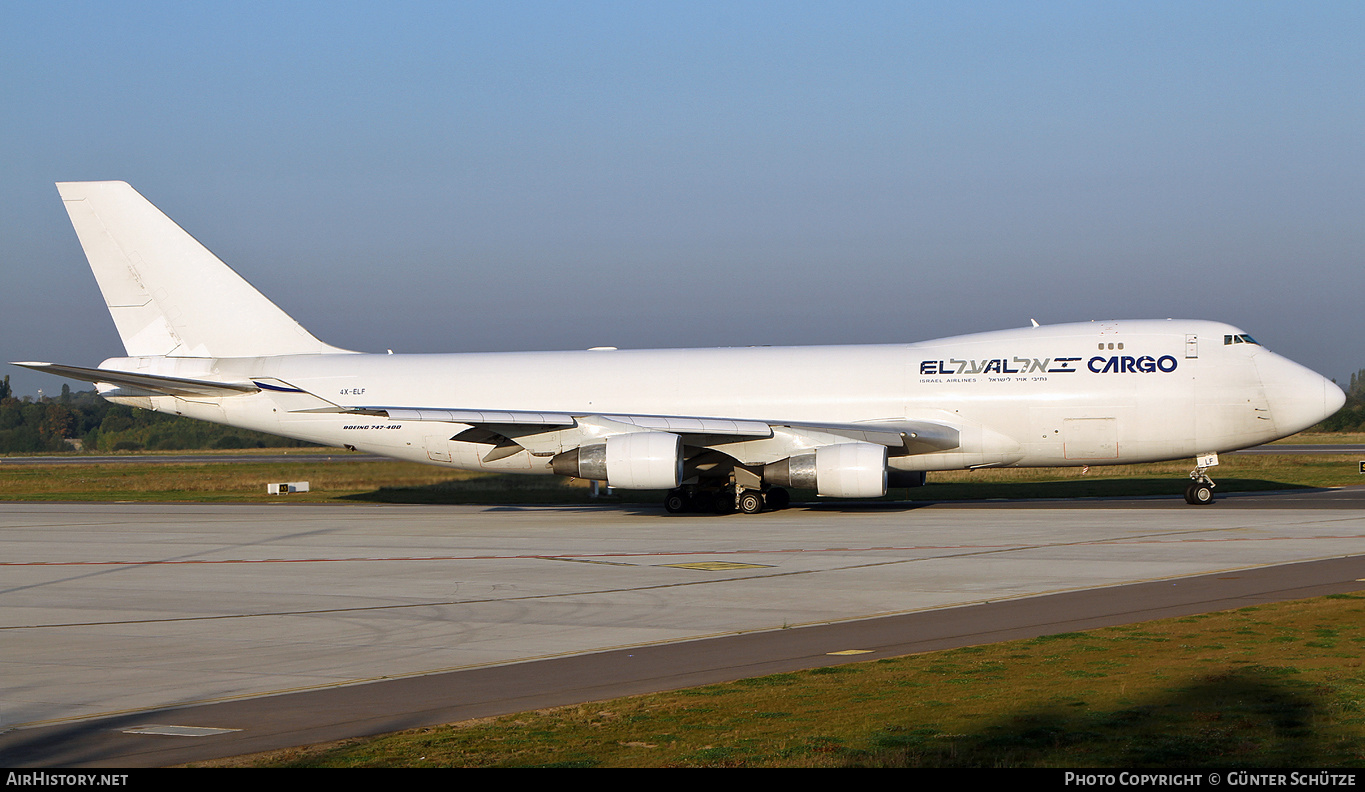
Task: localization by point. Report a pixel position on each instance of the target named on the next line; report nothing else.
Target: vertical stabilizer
(167, 293)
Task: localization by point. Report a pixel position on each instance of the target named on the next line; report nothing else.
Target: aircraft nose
(1299, 397)
(1334, 399)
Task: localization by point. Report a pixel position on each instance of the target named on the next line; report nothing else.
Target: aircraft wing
(663, 423)
(901, 436)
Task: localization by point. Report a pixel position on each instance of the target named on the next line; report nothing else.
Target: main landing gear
(722, 500)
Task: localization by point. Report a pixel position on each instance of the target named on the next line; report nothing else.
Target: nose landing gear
(1200, 491)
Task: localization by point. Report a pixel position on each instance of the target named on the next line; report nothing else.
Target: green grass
(245, 482)
(1277, 685)
(1323, 438)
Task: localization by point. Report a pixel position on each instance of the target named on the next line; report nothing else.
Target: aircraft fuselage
(1091, 393)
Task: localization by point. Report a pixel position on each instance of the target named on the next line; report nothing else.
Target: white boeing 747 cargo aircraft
(718, 428)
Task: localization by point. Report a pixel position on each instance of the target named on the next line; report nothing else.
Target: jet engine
(846, 470)
(639, 460)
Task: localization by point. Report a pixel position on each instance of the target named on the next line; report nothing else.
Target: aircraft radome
(717, 428)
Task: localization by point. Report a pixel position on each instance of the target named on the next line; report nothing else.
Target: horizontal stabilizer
(152, 383)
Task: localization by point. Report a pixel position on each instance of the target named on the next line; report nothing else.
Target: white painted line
(177, 731)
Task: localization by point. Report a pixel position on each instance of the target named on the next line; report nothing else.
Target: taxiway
(291, 623)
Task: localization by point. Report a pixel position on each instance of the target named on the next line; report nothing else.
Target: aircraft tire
(778, 498)
(1199, 494)
(751, 502)
(676, 501)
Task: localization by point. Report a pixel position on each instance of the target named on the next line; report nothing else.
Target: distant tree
(1357, 387)
(117, 419)
(59, 422)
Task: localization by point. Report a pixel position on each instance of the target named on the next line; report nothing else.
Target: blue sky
(463, 177)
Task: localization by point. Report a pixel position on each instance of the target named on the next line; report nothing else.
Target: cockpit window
(1242, 338)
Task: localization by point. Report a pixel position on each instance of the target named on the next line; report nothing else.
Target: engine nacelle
(639, 460)
(846, 470)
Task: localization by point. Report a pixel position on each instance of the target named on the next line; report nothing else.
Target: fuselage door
(438, 448)
(1090, 438)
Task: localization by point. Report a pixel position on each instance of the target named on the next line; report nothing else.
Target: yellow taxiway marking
(850, 652)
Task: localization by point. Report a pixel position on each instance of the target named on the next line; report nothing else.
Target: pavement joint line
(1175, 537)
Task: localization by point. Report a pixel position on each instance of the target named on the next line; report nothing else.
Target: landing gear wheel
(1199, 494)
(750, 502)
(676, 501)
(778, 498)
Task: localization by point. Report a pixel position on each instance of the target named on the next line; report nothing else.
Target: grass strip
(1277, 685)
